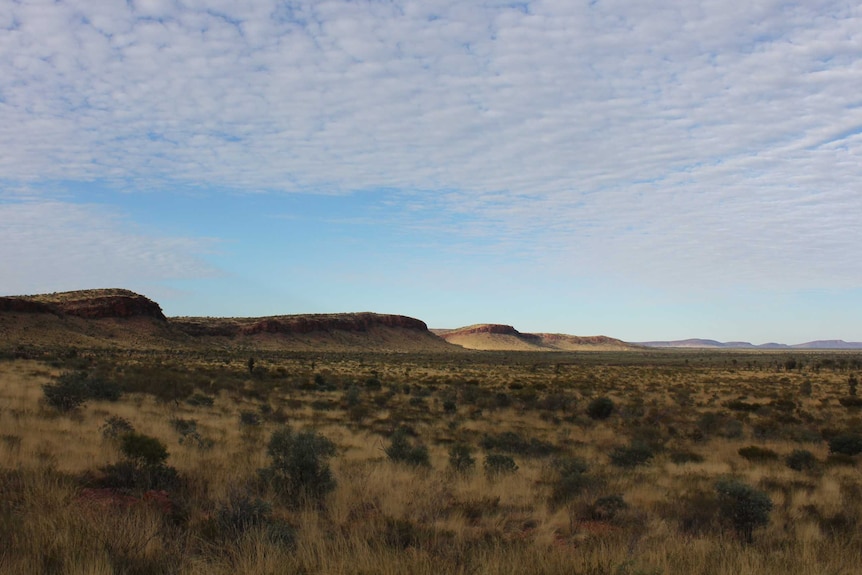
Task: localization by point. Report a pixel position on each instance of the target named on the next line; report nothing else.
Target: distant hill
(505, 337)
(712, 344)
(117, 318)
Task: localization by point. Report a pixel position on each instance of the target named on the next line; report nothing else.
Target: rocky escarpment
(88, 304)
(118, 318)
(296, 324)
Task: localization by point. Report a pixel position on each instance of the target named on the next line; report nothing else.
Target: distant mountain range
(712, 344)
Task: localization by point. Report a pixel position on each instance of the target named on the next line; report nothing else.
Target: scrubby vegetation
(658, 462)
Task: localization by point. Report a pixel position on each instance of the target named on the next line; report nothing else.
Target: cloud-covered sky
(646, 170)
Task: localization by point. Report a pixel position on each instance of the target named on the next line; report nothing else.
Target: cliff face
(88, 304)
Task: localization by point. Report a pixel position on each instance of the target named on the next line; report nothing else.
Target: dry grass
(385, 517)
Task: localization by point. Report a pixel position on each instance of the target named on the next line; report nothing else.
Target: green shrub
(511, 442)
(571, 480)
(461, 458)
(497, 464)
(200, 400)
(607, 508)
(240, 513)
(742, 506)
(143, 449)
(801, 460)
(401, 450)
(682, 457)
(755, 453)
(143, 467)
(600, 408)
(851, 401)
(846, 444)
(631, 456)
(115, 427)
(249, 418)
(299, 465)
(73, 389)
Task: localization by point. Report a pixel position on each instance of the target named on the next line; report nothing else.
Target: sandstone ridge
(89, 304)
(118, 318)
(488, 336)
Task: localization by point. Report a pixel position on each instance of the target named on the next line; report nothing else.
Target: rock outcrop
(89, 304)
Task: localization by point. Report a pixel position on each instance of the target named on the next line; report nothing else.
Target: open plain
(121, 457)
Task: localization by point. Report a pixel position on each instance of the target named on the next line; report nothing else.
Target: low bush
(571, 480)
(497, 464)
(299, 467)
(631, 456)
(600, 408)
(143, 467)
(846, 444)
(461, 458)
(683, 457)
(511, 442)
(73, 389)
(801, 460)
(607, 508)
(755, 453)
(401, 450)
(115, 427)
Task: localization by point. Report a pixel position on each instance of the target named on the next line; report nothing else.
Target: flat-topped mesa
(552, 338)
(494, 328)
(296, 324)
(360, 322)
(89, 304)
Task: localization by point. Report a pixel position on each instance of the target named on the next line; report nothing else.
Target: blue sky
(645, 170)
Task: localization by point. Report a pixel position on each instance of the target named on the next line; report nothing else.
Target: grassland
(634, 493)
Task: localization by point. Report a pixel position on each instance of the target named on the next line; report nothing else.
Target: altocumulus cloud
(704, 143)
(57, 246)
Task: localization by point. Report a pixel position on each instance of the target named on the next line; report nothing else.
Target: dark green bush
(600, 408)
(249, 418)
(739, 405)
(143, 467)
(143, 449)
(846, 444)
(300, 465)
(115, 427)
(401, 450)
(607, 508)
(851, 401)
(571, 480)
(801, 460)
(240, 513)
(73, 389)
(631, 456)
(511, 442)
(461, 458)
(200, 400)
(682, 457)
(755, 453)
(497, 464)
(742, 506)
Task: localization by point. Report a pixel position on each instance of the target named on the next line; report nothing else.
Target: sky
(644, 170)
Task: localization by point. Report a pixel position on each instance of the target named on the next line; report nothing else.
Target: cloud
(695, 143)
(56, 246)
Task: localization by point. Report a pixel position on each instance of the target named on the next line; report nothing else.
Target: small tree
(300, 464)
(744, 507)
